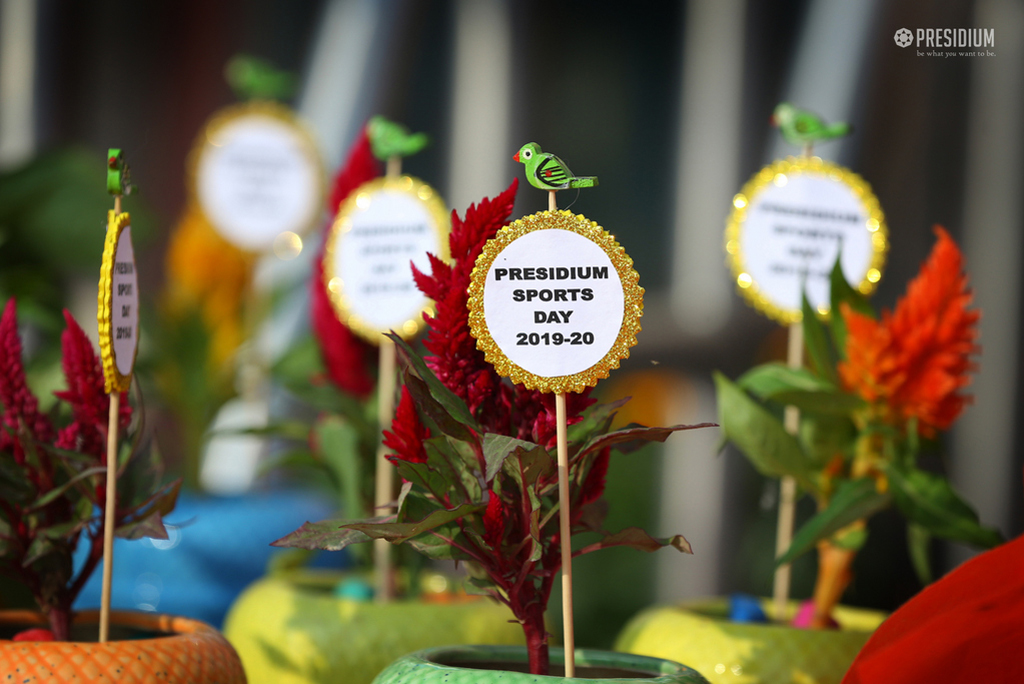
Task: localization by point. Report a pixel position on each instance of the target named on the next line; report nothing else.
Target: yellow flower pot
(290, 629)
(699, 634)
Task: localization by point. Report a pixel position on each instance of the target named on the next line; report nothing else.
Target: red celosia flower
(347, 358)
(89, 402)
(407, 433)
(456, 361)
(494, 522)
(914, 361)
(20, 406)
(360, 167)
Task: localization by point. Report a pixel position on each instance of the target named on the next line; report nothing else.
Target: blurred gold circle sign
(381, 230)
(118, 310)
(554, 302)
(790, 222)
(256, 173)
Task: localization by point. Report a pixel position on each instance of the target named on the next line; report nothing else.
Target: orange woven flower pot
(171, 650)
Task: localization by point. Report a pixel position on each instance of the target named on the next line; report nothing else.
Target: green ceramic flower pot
(290, 629)
(699, 634)
(509, 665)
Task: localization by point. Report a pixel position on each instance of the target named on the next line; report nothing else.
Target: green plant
(53, 474)
(876, 390)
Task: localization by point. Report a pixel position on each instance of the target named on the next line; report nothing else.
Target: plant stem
(60, 622)
(536, 639)
(834, 575)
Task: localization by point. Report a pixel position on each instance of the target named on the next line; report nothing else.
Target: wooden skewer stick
(564, 531)
(787, 485)
(568, 636)
(385, 476)
(110, 509)
(385, 472)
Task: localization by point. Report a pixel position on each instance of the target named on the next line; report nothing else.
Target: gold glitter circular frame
(278, 112)
(633, 301)
(112, 378)
(435, 207)
(793, 166)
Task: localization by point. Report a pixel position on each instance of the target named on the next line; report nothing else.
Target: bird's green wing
(552, 173)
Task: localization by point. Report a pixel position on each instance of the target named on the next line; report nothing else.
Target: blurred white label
(257, 179)
(792, 234)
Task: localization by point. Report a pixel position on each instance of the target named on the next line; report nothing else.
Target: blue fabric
(217, 547)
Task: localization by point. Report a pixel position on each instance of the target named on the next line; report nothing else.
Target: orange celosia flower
(207, 273)
(914, 361)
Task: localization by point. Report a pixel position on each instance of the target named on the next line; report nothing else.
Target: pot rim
(166, 625)
(664, 671)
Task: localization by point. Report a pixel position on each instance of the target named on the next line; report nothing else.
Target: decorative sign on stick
(118, 304)
(788, 225)
(381, 230)
(382, 227)
(790, 222)
(554, 302)
(257, 176)
(118, 322)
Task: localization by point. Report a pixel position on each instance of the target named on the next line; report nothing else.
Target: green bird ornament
(389, 139)
(119, 177)
(802, 128)
(547, 172)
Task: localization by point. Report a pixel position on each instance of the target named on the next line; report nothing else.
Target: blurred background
(667, 102)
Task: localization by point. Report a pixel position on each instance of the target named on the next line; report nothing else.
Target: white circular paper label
(791, 223)
(384, 228)
(257, 176)
(124, 307)
(553, 302)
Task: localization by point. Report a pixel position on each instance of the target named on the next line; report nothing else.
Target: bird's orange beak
(516, 158)
(774, 120)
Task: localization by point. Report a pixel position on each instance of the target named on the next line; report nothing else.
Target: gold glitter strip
(112, 378)
(633, 301)
(793, 166)
(435, 207)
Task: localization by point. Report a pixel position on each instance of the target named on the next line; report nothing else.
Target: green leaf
(40, 547)
(632, 438)
(526, 466)
(455, 406)
(151, 526)
(853, 500)
(326, 535)
(841, 293)
(819, 354)
(929, 500)
(760, 435)
(636, 538)
(57, 492)
(798, 387)
(338, 443)
(436, 411)
(396, 533)
(825, 436)
(427, 478)
(496, 450)
(919, 544)
(439, 545)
